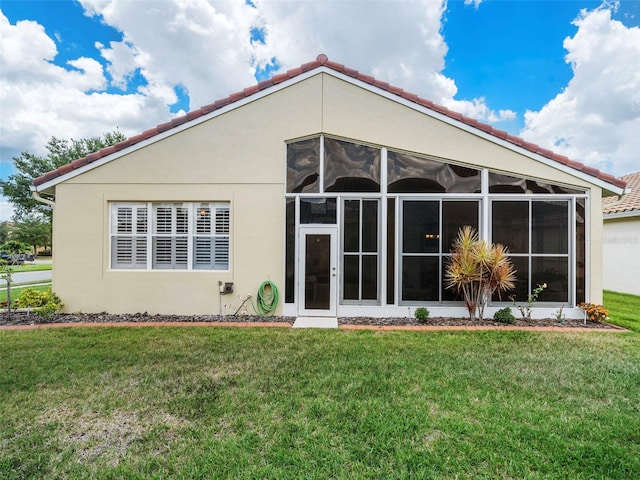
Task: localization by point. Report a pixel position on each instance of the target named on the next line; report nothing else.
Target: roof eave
(282, 81)
(627, 214)
(411, 103)
(50, 184)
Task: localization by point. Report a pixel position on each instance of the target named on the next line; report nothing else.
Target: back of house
(345, 192)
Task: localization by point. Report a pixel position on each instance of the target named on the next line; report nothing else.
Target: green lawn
(624, 309)
(32, 267)
(16, 291)
(281, 403)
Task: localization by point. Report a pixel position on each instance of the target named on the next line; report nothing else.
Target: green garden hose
(267, 299)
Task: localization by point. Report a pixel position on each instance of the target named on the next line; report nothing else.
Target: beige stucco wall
(594, 248)
(621, 254)
(239, 157)
(236, 157)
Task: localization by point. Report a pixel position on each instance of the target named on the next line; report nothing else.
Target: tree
(14, 249)
(6, 275)
(477, 270)
(4, 232)
(17, 188)
(33, 231)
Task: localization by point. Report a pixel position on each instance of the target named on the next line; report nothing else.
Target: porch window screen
(537, 235)
(361, 249)
(170, 236)
(429, 228)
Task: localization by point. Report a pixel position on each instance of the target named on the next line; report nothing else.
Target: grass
(18, 287)
(624, 309)
(33, 267)
(281, 403)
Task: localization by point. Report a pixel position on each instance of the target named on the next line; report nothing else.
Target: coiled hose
(267, 300)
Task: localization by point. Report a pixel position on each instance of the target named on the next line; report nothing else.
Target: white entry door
(318, 270)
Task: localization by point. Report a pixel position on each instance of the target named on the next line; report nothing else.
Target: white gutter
(40, 199)
(627, 214)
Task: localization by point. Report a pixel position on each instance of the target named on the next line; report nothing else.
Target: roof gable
(322, 64)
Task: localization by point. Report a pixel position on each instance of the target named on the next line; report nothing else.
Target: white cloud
(40, 99)
(400, 43)
(205, 47)
(475, 3)
(23, 46)
(6, 210)
(202, 45)
(596, 119)
(121, 58)
(477, 108)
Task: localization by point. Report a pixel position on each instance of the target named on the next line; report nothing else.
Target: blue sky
(563, 74)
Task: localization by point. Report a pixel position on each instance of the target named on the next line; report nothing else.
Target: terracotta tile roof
(629, 201)
(323, 61)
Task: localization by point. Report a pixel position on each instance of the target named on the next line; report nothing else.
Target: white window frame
(207, 245)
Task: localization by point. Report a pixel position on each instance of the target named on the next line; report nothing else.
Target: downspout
(46, 201)
(40, 199)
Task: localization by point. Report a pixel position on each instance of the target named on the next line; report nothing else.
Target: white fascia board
(627, 214)
(172, 131)
(480, 133)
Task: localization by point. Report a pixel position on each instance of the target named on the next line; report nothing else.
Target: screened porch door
(317, 267)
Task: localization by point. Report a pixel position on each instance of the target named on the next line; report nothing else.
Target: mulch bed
(22, 318)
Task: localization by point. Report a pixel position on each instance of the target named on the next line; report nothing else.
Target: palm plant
(477, 270)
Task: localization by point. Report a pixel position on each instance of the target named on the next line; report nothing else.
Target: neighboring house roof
(627, 204)
(322, 63)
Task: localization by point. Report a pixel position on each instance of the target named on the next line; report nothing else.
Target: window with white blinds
(170, 236)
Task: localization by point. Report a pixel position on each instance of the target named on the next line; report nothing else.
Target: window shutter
(222, 220)
(128, 242)
(202, 253)
(141, 220)
(203, 220)
(221, 251)
(162, 252)
(221, 260)
(123, 250)
(182, 220)
(175, 232)
(163, 219)
(141, 252)
(124, 220)
(181, 251)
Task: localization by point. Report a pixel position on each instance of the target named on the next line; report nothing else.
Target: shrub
(595, 313)
(422, 314)
(44, 303)
(504, 315)
(31, 298)
(525, 310)
(476, 270)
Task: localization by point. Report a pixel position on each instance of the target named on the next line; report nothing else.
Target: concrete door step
(316, 322)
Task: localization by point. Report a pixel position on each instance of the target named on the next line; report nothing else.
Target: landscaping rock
(22, 318)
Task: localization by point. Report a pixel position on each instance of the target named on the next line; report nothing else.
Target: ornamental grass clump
(477, 270)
